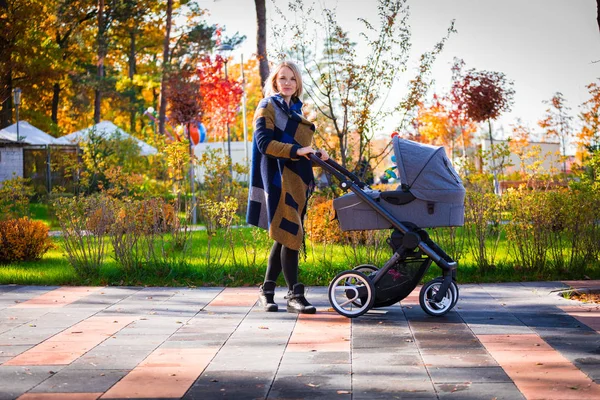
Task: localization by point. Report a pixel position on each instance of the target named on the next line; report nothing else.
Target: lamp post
(17, 101)
(225, 51)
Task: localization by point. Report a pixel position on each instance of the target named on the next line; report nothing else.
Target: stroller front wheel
(428, 293)
(351, 294)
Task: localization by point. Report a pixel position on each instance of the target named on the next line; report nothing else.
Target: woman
(281, 180)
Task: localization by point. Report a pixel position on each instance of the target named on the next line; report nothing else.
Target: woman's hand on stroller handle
(305, 151)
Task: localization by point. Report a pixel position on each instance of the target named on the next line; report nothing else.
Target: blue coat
(280, 181)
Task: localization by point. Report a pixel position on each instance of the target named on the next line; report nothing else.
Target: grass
(319, 266)
(42, 212)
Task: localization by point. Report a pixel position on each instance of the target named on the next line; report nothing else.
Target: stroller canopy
(427, 172)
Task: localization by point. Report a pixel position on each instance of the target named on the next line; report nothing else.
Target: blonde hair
(271, 81)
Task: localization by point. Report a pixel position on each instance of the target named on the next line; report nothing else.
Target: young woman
(281, 181)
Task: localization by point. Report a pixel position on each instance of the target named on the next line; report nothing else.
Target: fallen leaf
(263, 327)
(343, 392)
(312, 385)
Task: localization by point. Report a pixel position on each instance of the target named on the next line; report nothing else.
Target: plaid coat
(280, 182)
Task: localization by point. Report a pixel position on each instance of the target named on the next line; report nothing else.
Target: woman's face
(286, 82)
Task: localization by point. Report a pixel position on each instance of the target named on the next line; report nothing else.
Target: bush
(320, 225)
(14, 198)
(23, 240)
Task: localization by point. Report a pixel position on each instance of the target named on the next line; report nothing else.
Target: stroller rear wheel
(351, 294)
(428, 293)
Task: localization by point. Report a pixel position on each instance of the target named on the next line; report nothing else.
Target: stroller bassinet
(430, 193)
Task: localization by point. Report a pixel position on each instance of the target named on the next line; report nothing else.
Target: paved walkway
(503, 341)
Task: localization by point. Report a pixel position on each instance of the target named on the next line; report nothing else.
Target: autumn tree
(348, 91)
(589, 137)
(519, 142)
(220, 97)
(557, 123)
(484, 96)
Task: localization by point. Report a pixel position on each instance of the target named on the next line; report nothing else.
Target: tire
(428, 292)
(366, 269)
(351, 293)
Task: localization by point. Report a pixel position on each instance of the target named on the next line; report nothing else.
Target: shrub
(320, 225)
(22, 239)
(14, 198)
(85, 221)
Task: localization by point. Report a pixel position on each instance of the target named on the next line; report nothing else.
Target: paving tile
(538, 370)
(588, 315)
(478, 391)
(234, 384)
(72, 343)
(387, 386)
(60, 396)
(164, 373)
(471, 375)
(14, 381)
(58, 297)
(323, 331)
(77, 380)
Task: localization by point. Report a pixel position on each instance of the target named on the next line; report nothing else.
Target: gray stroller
(430, 194)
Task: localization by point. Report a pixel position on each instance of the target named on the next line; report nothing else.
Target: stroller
(430, 194)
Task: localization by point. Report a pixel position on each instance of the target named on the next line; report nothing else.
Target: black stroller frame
(412, 248)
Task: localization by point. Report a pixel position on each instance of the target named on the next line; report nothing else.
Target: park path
(502, 341)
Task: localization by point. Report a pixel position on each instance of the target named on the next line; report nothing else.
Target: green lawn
(246, 265)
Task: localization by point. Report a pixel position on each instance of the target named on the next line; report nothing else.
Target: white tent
(28, 134)
(105, 129)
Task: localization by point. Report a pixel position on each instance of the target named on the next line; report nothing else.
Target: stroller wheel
(366, 269)
(351, 294)
(427, 295)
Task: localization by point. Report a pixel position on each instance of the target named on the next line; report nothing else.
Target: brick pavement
(502, 341)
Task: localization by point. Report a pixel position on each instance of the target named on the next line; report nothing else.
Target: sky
(543, 46)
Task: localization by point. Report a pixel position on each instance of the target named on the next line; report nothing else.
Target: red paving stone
(539, 371)
(236, 297)
(72, 343)
(166, 373)
(58, 297)
(588, 315)
(60, 396)
(324, 331)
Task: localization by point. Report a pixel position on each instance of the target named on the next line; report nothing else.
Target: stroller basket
(430, 194)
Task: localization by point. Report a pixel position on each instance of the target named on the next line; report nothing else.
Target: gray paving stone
(388, 357)
(230, 385)
(316, 357)
(76, 380)
(386, 386)
(113, 357)
(14, 381)
(473, 375)
(13, 351)
(479, 391)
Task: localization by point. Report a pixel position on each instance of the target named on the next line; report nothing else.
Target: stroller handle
(336, 169)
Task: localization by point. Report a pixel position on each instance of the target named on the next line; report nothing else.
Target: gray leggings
(283, 259)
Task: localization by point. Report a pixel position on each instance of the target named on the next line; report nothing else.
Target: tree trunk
(162, 110)
(6, 110)
(55, 101)
(132, 70)
(261, 40)
(598, 13)
(101, 54)
(493, 159)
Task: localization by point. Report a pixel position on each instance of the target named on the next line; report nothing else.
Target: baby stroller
(430, 194)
